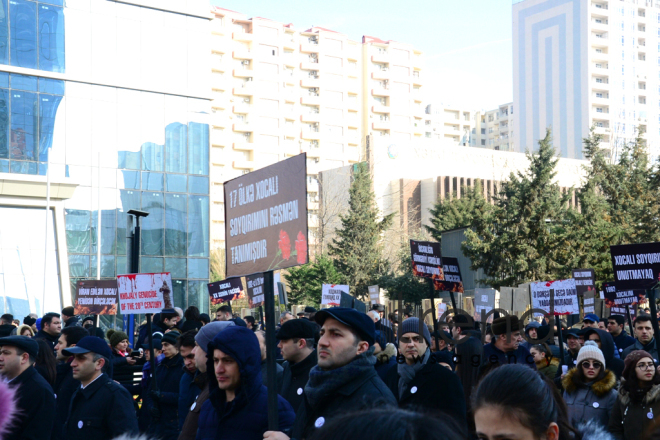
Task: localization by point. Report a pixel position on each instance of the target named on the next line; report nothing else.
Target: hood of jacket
(600, 388)
(606, 343)
(543, 364)
(384, 356)
(653, 395)
(243, 346)
(532, 324)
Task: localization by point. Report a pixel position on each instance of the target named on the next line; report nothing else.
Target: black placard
(426, 259)
(636, 266)
(453, 281)
(226, 290)
(255, 289)
(584, 280)
(620, 298)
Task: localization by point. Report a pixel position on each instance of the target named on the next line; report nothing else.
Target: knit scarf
(407, 372)
(323, 383)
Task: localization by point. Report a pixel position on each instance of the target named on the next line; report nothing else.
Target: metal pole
(271, 375)
(151, 352)
(560, 336)
(98, 224)
(43, 292)
(630, 325)
(654, 317)
(129, 244)
(433, 313)
(453, 301)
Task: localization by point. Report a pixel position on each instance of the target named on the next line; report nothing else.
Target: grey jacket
(593, 402)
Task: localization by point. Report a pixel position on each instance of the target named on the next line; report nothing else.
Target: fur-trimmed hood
(653, 395)
(592, 430)
(543, 364)
(384, 356)
(600, 388)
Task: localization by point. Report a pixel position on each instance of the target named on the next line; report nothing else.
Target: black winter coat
(36, 403)
(65, 388)
(434, 389)
(52, 340)
(101, 411)
(168, 377)
(295, 378)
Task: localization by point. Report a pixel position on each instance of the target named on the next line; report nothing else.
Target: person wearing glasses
(589, 389)
(638, 402)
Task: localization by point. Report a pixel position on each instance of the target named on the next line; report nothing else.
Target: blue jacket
(188, 392)
(246, 417)
(168, 375)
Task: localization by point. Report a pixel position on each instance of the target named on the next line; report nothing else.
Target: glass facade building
(124, 121)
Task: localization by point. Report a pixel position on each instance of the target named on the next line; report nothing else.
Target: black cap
(378, 307)
(296, 328)
(310, 309)
(360, 322)
(28, 345)
(68, 311)
(28, 320)
(571, 332)
(90, 344)
(239, 322)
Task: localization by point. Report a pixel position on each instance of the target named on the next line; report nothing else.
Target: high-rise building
(584, 63)
(104, 107)
(494, 129)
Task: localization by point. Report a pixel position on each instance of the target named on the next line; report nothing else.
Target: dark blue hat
(573, 332)
(591, 317)
(380, 338)
(296, 328)
(28, 345)
(360, 322)
(239, 322)
(90, 344)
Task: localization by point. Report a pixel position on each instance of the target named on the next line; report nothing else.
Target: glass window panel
(52, 86)
(198, 185)
(131, 179)
(79, 266)
(198, 226)
(176, 267)
(176, 182)
(23, 33)
(198, 295)
(48, 105)
(53, 2)
(4, 123)
(198, 149)
(23, 82)
(152, 156)
(108, 233)
(152, 226)
(24, 113)
(198, 268)
(175, 224)
(77, 231)
(4, 33)
(176, 140)
(152, 181)
(4, 166)
(43, 168)
(22, 167)
(127, 200)
(151, 265)
(129, 160)
(179, 293)
(51, 38)
(121, 265)
(107, 266)
(4, 77)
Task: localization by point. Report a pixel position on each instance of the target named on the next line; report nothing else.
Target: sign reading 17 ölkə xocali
(636, 266)
(266, 218)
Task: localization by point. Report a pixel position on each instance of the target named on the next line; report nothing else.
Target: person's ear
(362, 347)
(553, 432)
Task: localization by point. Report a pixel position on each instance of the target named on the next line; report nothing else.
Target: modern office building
(104, 107)
(584, 63)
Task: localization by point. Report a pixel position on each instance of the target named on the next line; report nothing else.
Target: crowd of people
(340, 374)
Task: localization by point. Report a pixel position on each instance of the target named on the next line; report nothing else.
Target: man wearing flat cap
(35, 397)
(344, 380)
(297, 345)
(101, 409)
(506, 348)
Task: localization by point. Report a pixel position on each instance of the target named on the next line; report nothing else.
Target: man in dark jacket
(35, 398)
(297, 344)
(51, 326)
(572, 339)
(606, 345)
(6, 325)
(163, 399)
(615, 325)
(101, 409)
(419, 381)
(69, 317)
(344, 379)
(238, 400)
(506, 348)
(188, 391)
(279, 370)
(644, 338)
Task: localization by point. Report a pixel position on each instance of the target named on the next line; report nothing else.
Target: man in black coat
(101, 409)
(69, 317)
(344, 379)
(51, 327)
(6, 325)
(419, 381)
(297, 344)
(35, 398)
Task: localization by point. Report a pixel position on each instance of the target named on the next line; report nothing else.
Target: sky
(467, 43)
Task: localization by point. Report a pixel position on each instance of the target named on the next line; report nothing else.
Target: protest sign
(636, 266)
(226, 290)
(484, 299)
(441, 309)
(96, 297)
(255, 289)
(589, 303)
(266, 218)
(144, 292)
(452, 276)
(426, 259)
(621, 298)
(584, 280)
(374, 294)
(565, 296)
(331, 293)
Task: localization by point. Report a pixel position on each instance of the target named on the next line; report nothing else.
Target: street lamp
(133, 240)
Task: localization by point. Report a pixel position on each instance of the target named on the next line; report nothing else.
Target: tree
(306, 282)
(400, 279)
(217, 264)
(357, 247)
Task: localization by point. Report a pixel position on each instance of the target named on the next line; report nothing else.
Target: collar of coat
(652, 395)
(384, 356)
(544, 363)
(599, 388)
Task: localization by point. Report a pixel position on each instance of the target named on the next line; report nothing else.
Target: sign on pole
(565, 296)
(226, 290)
(619, 299)
(452, 276)
(96, 297)
(426, 259)
(374, 294)
(584, 281)
(331, 293)
(145, 292)
(636, 266)
(484, 299)
(255, 289)
(266, 218)
(589, 302)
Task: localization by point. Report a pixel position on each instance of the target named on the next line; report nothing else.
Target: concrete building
(107, 110)
(584, 63)
(453, 125)
(493, 129)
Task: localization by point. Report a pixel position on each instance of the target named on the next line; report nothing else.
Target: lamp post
(133, 266)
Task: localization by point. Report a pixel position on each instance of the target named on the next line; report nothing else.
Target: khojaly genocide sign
(636, 266)
(145, 292)
(266, 218)
(452, 274)
(255, 289)
(426, 259)
(226, 290)
(96, 297)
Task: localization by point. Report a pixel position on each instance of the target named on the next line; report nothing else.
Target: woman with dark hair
(546, 363)
(589, 390)
(388, 424)
(46, 364)
(514, 401)
(638, 402)
(193, 321)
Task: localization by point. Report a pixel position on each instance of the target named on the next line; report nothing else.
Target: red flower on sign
(301, 248)
(285, 244)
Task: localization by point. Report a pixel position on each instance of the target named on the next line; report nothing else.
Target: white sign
(565, 296)
(331, 293)
(144, 292)
(484, 299)
(374, 294)
(441, 309)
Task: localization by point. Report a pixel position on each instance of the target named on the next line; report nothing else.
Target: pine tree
(357, 250)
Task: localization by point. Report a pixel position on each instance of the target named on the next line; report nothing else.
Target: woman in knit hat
(638, 402)
(121, 355)
(589, 389)
(546, 363)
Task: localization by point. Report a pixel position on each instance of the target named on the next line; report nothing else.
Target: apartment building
(279, 91)
(493, 129)
(453, 125)
(584, 63)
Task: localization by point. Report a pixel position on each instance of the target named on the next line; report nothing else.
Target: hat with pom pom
(590, 351)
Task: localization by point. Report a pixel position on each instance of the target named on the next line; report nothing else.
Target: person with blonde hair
(25, 330)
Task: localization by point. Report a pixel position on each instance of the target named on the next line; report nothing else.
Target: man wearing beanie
(164, 400)
(418, 379)
(203, 337)
(69, 317)
(505, 347)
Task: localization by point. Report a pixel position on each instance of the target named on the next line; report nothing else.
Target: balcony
(380, 109)
(244, 127)
(246, 89)
(353, 139)
(243, 36)
(220, 100)
(419, 112)
(600, 68)
(242, 54)
(308, 47)
(381, 125)
(243, 73)
(310, 82)
(600, 56)
(380, 91)
(600, 85)
(419, 128)
(353, 122)
(381, 74)
(290, 131)
(217, 27)
(220, 63)
(602, 100)
(605, 130)
(290, 42)
(416, 79)
(313, 186)
(243, 146)
(381, 57)
(603, 26)
(310, 117)
(244, 164)
(417, 62)
(310, 65)
(312, 150)
(604, 114)
(311, 135)
(289, 60)
(600, 9)
(310, 100)
(242, 107)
